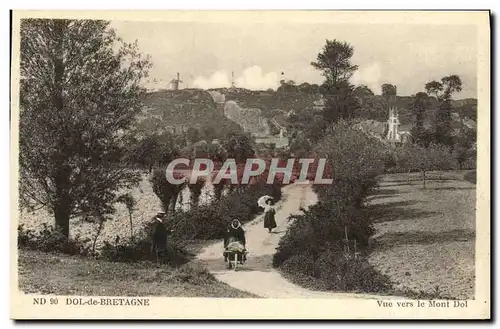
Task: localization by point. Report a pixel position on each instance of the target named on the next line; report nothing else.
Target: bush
(471, 177)
(49, 239)
(135, 251)
(327, 242)
(131, 250)
(210, 221)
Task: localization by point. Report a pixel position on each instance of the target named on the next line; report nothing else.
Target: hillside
(221, 110)
(181, 109)
(270, 100)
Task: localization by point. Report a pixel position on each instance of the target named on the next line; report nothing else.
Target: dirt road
(257, 276)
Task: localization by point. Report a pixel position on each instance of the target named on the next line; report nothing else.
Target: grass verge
(58, 274)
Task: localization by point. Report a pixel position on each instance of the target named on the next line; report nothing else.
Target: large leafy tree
(443, 91)
(334, 61)
(419, 105)
(79, 94)
(389, 93)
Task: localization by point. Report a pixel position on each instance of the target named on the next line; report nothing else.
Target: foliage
(315, 243)
(79, 97)
(210, 221)
(471, 177)
(139, 250)
(239, 146)
(412, 157)
(334, 61)
(420, 103)
(51, 239)
(463, 146)
(155, 149)
(130, 202)
(443, 91)
(332, 271)
(389, 92)
(341, 102)
(165, 190)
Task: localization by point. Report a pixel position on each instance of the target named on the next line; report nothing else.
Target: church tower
(393, 125)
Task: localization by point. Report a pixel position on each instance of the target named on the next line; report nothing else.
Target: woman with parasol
(266, 202)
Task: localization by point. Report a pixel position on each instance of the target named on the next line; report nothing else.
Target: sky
(205, 53)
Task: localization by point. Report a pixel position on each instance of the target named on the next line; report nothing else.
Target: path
(257, 276)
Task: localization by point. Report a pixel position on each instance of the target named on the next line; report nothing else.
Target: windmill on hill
(174, 84)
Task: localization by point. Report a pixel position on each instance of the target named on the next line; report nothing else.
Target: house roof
(405, 127)
(372, 126)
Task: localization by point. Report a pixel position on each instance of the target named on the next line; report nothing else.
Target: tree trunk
(423, 177)
(173, 202)
(63, 171)
(61, 214)
(218, 190)
(131, 226)
(165, 202)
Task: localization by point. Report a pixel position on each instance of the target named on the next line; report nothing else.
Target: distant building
(396, 133)
(174, 84)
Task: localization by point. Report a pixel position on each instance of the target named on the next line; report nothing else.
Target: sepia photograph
(250, 164)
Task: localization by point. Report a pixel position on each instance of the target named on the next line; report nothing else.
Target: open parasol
(262, 200)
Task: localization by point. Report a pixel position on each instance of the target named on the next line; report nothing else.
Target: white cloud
(251, 78)
(218, 79)
(370, 76)
(254, 79)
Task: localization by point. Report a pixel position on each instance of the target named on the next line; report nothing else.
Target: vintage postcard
(250, 165)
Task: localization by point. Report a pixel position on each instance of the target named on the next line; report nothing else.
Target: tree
(412, 157)
(434, 88)
(193, 135)
(443, 92)
(239, 146)
(363, 93)
(79, 95)
(341, 103)
(129, 202)
(166, 191)
(389, 92)
(463, 143)
(418, 107)
(335, 61)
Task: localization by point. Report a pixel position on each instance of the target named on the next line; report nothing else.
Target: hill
(269, 100)
(178, 110)
(221, 110)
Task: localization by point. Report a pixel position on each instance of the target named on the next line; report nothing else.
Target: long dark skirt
(269, 221)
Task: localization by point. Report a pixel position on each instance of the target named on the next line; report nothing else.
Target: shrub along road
(257, 276)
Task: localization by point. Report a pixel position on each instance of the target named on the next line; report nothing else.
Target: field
(425, 238)
(67, 275)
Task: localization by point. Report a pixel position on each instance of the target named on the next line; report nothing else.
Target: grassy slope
(425, 239)
(147, 206)
(64, 275)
